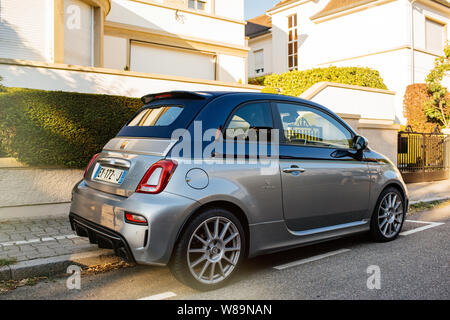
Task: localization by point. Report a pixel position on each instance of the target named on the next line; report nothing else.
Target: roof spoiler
(174, 95)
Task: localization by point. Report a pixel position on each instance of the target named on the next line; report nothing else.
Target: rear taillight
(94, 157)
(135, 218)
(157, 177)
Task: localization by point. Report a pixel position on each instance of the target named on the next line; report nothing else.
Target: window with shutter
(259, 61)
(24, 29)
(434, 36)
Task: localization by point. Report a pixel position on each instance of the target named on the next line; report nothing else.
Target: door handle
(293, 170)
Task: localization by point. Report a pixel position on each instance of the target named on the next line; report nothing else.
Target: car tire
(206, 258)
(388, 216)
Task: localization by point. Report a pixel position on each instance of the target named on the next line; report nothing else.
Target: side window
(307, 126)
(250, 116)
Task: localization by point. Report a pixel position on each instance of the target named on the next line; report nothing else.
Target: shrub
(60, 129)
(259, 81)
(3, 153)
(294, 83)
(414, 103)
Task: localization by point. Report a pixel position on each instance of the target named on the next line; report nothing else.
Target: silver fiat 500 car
(200, 181)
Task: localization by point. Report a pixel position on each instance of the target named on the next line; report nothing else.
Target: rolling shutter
(434, 36)
(25, 29)
(159, 59)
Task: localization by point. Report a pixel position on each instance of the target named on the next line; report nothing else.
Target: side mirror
(360, 143)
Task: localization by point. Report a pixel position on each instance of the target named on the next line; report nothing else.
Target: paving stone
(26, 239)
(10, 249)
(27, 248)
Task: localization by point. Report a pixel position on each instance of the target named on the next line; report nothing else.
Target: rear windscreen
(160, 118)
(155, 117)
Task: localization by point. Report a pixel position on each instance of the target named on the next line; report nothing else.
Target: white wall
(26, 29)
(231, 68)
(115, 52)
(25, 186)
(263, 42)
(233, 9)
(366, 103)
(394, 70)
(133, 85)
(163, 19)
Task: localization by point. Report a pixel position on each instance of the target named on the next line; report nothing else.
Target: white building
(129, 47)
(399, 38)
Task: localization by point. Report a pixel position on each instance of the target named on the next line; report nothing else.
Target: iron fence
(423, 156)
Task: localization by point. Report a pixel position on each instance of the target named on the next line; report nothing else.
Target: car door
(325, 182)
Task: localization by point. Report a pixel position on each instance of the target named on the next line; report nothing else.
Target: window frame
(262, 69)
(278, 124)
(205, 2)
(294, 42)
(239, 106)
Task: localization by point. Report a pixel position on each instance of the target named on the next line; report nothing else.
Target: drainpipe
(412, 42)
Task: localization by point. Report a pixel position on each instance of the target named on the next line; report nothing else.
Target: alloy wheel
(390, 214)
(213, 250)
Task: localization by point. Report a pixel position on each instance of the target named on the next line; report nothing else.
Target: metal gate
(423, 157)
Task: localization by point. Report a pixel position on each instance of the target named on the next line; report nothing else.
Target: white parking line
(310, 259)
(428, 226)
(160, 296)
(46, 239)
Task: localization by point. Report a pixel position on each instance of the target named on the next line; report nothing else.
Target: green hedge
(258, 81)
(60, 129)
(294, 83)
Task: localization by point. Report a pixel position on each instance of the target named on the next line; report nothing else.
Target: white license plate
(111, 175)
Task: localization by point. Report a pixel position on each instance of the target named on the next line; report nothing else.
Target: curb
(429, 200)
(55, 265)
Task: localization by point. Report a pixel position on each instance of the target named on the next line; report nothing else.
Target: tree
(437, 108)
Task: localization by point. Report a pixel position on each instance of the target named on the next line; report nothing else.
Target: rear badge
(124, 144)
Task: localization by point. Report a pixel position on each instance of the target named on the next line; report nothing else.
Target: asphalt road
(415, 266)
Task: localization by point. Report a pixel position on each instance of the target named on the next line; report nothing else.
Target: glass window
(156, 117)
(308, 126)
(197, 4)
(259, 61)
(251, 116)
(434, 36)
(292, 43)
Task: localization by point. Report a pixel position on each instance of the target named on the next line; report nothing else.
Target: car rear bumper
(105, 238)
(101, 217)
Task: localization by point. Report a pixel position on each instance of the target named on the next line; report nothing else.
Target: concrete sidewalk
(31, 245)
(428, 191)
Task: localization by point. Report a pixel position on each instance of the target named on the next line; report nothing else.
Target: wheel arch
(236, 210)
(399, 187)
